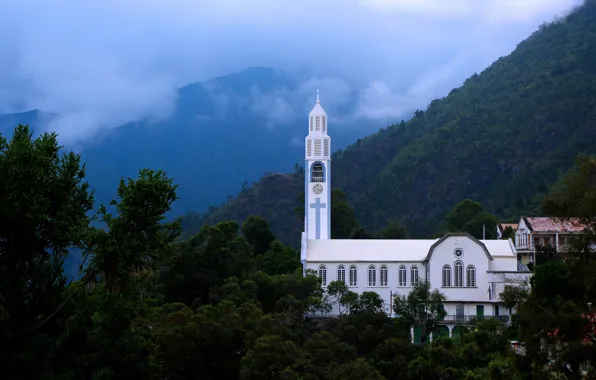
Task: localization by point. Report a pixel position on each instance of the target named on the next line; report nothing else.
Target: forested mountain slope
(503, 139)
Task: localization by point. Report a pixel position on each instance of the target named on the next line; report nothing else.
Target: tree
(268, 358)
(370, 302)
(279, 259)
(394, 230)
(134, 242)
(421, 307)
(343, 220)
(44, 205)
(354, 370)
(469, 216)
(337, 290)
(361, 233)
(205, 261)
(508, 233)
(511, 295)
(557, 314)
(257, 232)
(575, 195)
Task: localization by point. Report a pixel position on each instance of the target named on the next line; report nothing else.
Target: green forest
(503, 139)
(231, 302)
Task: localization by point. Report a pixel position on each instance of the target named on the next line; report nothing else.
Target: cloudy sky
(101, 63)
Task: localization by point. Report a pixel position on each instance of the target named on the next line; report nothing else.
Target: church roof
(391, 250)
(500, 248)
(354, 250)
(318, 109)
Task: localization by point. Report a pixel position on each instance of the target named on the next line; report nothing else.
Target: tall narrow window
(318, 123)
(459, 274)
(323, 275)
(414, 275)
(471, 276)
(383, 275)
(402, 276)
(353, 276)
(311, 123)
(341, 273)
(324, 124)
(325, 147)
(372, 276)
(309, 147)
(446, 276)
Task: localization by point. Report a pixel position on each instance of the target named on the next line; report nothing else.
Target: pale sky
(100, 64)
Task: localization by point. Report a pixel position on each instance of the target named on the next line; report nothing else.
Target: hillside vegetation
(232, 302)
(502, 139)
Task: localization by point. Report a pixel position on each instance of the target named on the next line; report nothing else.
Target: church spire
(317, 218)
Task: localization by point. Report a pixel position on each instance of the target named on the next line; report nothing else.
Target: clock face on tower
(317, 189)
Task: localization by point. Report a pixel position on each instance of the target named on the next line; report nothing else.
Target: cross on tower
(318, 206)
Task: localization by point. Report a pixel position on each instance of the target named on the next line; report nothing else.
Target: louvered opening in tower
(326, 147)
(317, 147)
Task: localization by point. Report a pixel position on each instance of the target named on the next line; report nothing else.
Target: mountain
(503, 138)
(222, 131)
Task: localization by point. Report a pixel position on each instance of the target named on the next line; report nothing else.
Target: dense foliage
(232, 302)
(502, 139)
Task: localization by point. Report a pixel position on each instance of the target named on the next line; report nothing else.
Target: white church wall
(384, 290)
(472, 255)
(503, 264)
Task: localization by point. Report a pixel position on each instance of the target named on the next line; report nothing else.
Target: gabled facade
(533, 232)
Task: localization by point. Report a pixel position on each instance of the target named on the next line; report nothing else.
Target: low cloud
(99, 64)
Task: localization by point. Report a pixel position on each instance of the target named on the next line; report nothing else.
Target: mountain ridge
(503, 138)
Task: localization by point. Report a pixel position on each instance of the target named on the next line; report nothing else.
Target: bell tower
(317, 178)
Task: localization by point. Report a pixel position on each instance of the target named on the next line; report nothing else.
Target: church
(471, 273)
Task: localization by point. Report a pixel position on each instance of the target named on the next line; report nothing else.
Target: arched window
(459, 274)
(341, 273)
(402, 275)
(372, 276)
(383, 275)
(414, 275)
(323, 275)
(317, 173)
(353, 276)
(446, 276)
(471, 276)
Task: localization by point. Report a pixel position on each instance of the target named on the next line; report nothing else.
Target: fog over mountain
(101, 64)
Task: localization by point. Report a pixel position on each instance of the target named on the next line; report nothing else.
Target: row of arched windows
(382, 278)
(458, 275)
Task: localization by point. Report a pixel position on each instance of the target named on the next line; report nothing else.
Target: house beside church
(470, 272)
(534, 232)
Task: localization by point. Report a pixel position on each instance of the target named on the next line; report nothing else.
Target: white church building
(471, 273)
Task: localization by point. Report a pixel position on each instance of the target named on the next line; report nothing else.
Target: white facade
(317, 186)
(471, 273)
